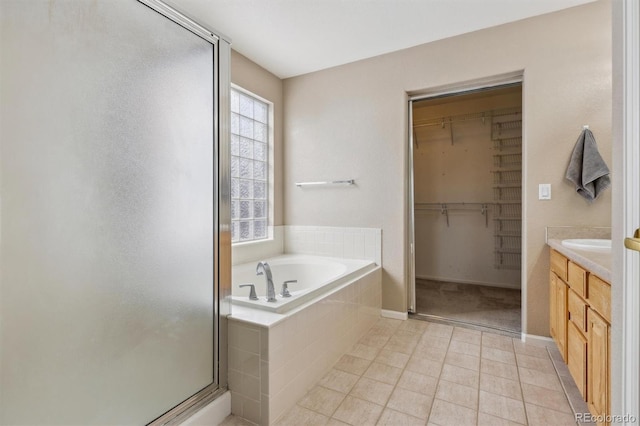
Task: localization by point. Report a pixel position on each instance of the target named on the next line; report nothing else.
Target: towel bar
(333, 182)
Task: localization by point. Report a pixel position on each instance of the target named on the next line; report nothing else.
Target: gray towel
(587, 170)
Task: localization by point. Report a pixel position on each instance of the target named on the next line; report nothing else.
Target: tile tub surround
(275, 359)
(348, 243)
(351, 243)
(417, 372)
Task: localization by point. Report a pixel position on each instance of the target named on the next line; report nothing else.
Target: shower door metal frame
(222, 215)
(437, 92)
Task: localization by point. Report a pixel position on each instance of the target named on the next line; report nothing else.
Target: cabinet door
(598, 364)
(561, 318)
(577, 357)
(553, 305)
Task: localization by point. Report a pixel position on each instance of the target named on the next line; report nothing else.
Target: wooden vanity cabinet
(580, 324)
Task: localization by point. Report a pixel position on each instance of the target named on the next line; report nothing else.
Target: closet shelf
(508, 234)
(483, 115)
(507, 185)
(508, 251)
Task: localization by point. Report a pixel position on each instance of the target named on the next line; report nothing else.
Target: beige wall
(454, 170)
(351, 122)
(249, 76)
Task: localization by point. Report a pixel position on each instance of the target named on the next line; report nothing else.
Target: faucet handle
(252, 291)
(285, 288)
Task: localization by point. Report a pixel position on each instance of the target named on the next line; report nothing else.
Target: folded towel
(587, 170)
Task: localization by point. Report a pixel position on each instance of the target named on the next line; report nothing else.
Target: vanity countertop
(598, 263)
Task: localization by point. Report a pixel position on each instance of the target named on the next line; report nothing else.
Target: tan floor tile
(394, 359)
(414, 326)
(408, 335)
(338, 380)
(540, 416)
(374, 340)
(434, 342)
(545, 398)
(521, 347)
(444, 413)
(404, 345)
(460, 375)
(537, 378)
(496, 341)
(500, 386)
(485, 419)
(355, 411)
(322, 400)
(499, 369)
(352, 364)
(301, 416)
(466, 335)
(335, 422)
(395, 418)
(506, 357)
(364, 351)
(439, 330)
(462, 360)
(372, 391)
(383, 373)
(425, 350)
(412, 403)
(424, 366)
(463, 347)
(388, 324)
(418, 382)
(232, 420)
(535, 363)
(458, 394)
(503, 407)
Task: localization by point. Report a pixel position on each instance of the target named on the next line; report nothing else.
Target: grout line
(524, 404)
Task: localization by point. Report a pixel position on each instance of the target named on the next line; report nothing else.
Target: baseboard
(450, 280)
(394, 314)
(535, 339)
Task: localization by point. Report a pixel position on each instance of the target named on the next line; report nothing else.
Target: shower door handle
(633, 243)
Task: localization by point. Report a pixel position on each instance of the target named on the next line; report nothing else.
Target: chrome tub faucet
(263, 268)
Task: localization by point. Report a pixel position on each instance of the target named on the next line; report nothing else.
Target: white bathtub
(316, 275)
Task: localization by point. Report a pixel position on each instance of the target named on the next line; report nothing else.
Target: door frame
(461, 88)
(625, 338)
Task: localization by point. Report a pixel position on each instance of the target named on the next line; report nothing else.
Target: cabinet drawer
(577, 279)
(599, 293)
(577, 311)
(559, 264)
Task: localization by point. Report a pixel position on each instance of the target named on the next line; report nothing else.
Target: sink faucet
(263, 268)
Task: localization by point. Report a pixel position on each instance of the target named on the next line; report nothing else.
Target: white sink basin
(590, 244)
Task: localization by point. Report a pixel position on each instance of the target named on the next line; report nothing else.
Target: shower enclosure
(114, 223)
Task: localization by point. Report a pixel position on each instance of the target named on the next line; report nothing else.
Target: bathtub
(316, 275)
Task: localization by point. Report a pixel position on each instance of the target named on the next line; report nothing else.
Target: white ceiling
(293, 37)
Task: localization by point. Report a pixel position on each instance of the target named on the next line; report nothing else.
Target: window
(250, 130)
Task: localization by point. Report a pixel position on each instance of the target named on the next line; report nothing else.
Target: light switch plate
(544, 191)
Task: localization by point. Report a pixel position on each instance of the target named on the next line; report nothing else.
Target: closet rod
(445, 207)
(443, 121)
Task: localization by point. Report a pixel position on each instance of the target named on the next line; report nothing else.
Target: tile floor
(423, 373)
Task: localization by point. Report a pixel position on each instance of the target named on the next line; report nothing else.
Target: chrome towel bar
(333, 182)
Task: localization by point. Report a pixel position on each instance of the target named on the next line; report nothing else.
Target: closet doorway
(466, 175)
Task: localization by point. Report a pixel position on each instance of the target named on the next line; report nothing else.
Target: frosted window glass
(106, 256)
(246, 106)
(249, 162)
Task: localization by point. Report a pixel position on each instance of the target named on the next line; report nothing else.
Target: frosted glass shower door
(107, 213)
